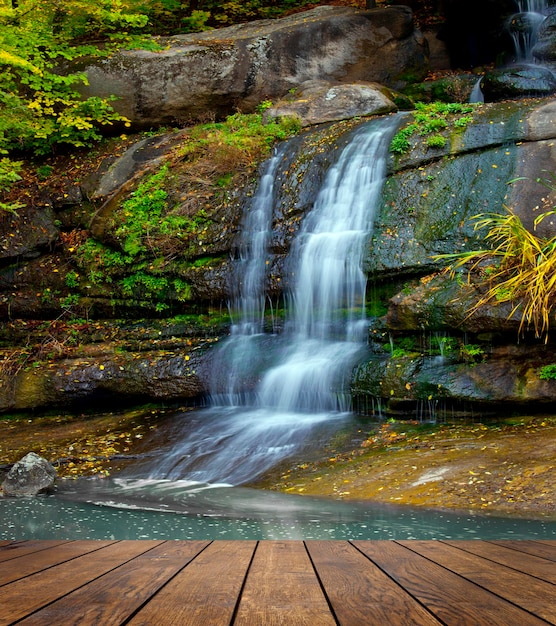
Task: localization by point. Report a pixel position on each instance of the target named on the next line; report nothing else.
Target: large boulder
(545, 47)
(29, 476)
(432, 193)
(437, 353)
(27, 232)
(517, 81)
(499, 378)
(129, 376)
(217, 72)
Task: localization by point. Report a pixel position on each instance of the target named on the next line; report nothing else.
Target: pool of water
(164, 509)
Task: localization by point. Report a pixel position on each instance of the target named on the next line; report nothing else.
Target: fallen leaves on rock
(80, 445)
(503, 468)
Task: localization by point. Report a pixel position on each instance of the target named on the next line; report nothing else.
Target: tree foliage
(40, 105)
(178, 16)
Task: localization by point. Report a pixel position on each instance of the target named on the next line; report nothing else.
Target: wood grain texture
(205, 592)
(359, 592)
(113, 597)
(453, 599)
(271, 583)
(23, 597)
(38, 560)
(14, 549)
(536, 566)
(536, 548)
(527, 592)
(282, 588)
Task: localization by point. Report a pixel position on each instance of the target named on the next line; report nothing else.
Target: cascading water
(524, 27)
(243, 435)
(242, 352)
(326, 328)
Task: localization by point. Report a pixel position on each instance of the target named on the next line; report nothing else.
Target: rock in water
(29, 476)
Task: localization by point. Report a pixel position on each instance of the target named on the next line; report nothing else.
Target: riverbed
(367, 480)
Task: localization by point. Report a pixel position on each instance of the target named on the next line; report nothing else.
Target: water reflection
(164, 509)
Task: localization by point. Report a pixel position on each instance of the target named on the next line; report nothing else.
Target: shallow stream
(155, 509)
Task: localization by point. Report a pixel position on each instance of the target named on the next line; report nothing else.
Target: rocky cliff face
(74, 333)
(445, 359)
(441, 357)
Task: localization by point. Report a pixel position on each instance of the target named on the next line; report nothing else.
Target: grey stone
(218, 72)
(319, 102)
(29, 476)
(27, 232)
(518, 81)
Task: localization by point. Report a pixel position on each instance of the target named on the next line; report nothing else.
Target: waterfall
(532, 6)
(302, 374)
(524, 27)
(327, 303)
(242, 351)
(477, 92)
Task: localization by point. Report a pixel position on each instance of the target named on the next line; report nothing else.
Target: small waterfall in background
(524, 27)
(302, 374)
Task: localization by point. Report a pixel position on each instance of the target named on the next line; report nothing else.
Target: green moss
(429, 119)
(548, 372)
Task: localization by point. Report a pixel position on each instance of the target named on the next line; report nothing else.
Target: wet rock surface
(430, 197)
(518, 81)
(504, 468)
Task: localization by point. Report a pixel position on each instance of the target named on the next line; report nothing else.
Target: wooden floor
(266, 583)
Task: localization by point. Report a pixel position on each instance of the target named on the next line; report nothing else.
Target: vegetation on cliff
(40, 107)
(519, 269)
(156, 236)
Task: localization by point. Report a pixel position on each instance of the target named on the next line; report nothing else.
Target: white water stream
(524, 27)
(304, 390)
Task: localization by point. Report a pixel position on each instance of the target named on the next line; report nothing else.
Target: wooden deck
(287, 583)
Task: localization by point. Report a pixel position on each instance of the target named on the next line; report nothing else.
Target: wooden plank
(526, 563)
(112, 598)
(282, 588)
(530, 547)
(39, 560)
(359, 592)
(16, 549)
(532, 594)
(547, 542)
(453, 599)
(205, 592)
(22, 597)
